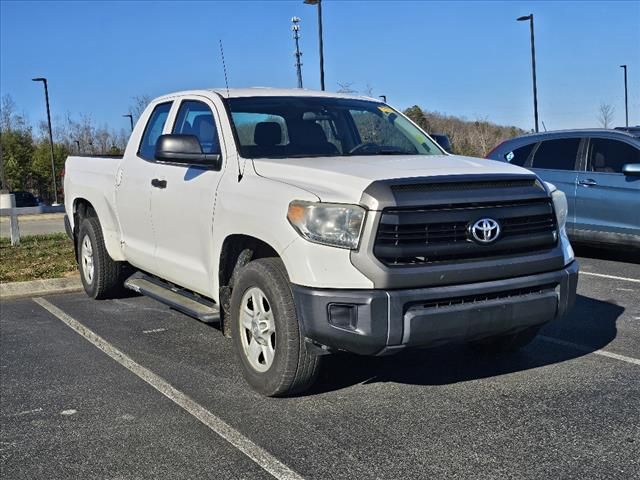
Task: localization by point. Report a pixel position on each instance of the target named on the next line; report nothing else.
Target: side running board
(176, 298)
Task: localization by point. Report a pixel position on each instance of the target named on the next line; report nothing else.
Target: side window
(520, 155)
(153, 130)
(557, 154)
(195, 118)
(608, 156)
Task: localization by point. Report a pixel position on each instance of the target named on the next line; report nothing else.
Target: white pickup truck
(307, 223)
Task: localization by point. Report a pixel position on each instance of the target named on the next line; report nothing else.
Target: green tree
(41, 166)
(16, 149)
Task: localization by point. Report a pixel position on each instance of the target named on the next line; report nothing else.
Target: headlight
(561, 207)
(327, 223)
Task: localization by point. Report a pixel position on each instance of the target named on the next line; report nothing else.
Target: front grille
(441, 233)
(485, 297)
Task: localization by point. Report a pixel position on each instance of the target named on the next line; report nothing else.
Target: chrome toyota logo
(485, 230)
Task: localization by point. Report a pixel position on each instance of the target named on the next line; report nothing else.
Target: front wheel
(266, 332)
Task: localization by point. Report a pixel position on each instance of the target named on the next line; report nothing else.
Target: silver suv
(599, 172)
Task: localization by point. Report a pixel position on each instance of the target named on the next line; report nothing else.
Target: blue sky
(470, 59)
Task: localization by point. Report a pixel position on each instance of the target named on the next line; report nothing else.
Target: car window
(608, 156)
(557, 154)
(520, 155)
(153, 130)
(196, 118)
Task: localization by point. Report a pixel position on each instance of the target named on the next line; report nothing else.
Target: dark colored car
(25, 199)
(599, 172)
(443, 141)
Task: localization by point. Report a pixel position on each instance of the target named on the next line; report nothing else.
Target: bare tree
(140, 102)
(605, 114)
(346, 87)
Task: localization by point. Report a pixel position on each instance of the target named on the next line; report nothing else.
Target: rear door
(182, 209)
(555, 162)
(606, 200)
(133, 191)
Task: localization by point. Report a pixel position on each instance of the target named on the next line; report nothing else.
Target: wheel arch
(237, 250)
(83, 208)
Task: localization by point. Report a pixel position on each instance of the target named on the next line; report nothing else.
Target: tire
(280, 364)
(507, 343)
(101, 276)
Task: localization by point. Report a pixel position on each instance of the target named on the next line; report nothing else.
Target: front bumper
(376, 322)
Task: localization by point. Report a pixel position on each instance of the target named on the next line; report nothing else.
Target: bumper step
(177, 298)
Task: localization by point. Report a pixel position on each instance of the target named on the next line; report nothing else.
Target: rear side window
(520, 155)
(196, 118)
(608, 156)
(153, 130)
(557, 154)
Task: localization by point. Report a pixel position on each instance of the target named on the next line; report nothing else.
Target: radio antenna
(224, 67)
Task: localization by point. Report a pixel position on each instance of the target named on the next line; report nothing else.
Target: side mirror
(186, 150)
(631, 169)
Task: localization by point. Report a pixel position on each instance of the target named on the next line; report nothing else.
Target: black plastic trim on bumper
(392, 319)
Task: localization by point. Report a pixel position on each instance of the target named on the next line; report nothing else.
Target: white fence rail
(8, 209)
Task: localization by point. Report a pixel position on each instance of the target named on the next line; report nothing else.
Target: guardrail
(8, 201)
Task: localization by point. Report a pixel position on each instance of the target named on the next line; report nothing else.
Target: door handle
(156, 182)
(589, 182)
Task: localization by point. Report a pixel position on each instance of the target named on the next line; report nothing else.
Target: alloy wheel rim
(86, 257)
(257, 329)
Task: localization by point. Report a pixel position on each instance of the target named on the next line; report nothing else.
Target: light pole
(296, 35)
(130, 119)
(53, 164)
(320, 42)
(626, 104)
(533, 66)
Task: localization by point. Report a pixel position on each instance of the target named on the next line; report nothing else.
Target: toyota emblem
(485, 230)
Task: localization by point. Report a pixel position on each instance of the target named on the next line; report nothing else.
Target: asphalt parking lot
(163, 398)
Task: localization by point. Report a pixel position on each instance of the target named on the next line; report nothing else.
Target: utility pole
(53, 164)
(533, 67)
(298, 54)
(626, 102)
(320, 42)
(130, 119)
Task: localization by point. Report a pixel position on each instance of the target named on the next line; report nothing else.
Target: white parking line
(613, 277)
(256, 453)
(582, 348)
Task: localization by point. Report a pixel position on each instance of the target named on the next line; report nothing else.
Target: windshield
(276, 127)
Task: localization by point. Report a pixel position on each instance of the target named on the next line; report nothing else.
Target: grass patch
(38, 257)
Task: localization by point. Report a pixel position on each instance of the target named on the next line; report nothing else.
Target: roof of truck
(271, 92)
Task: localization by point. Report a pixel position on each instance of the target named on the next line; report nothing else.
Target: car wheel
(101, 276)
(266, 332)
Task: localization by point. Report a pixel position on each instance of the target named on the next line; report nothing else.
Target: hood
(343, 179)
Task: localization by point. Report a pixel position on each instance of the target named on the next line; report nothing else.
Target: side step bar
(176, 298)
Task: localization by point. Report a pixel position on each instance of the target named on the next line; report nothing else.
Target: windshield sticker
(509, 156)
(385, 109)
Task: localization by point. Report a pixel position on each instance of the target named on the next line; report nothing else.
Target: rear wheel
(266, 333)
(101, 276)
(507, 343)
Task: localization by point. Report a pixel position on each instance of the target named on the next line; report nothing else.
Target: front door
(607, 200)
(555, 162)
(183, 208)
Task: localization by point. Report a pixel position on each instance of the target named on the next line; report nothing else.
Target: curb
(40, 287)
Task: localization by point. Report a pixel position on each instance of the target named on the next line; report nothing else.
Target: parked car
(443, 141)
(599, 172)
(309, 223)
(25, 199)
